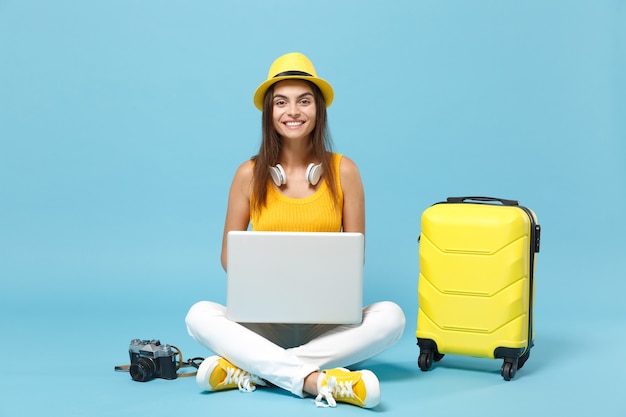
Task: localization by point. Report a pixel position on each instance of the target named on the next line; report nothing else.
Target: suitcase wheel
(509, 368)
(426, 358)
(429, 353)
(425, 361)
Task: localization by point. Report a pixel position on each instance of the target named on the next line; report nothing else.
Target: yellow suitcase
(476, 281)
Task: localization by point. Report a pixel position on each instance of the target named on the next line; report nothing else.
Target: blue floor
(60, 357)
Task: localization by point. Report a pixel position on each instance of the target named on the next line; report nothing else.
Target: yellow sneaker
(358, 388)
(217, 374)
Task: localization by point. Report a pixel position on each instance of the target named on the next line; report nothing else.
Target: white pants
(285, 354)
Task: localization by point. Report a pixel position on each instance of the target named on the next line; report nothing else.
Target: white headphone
(313, 174)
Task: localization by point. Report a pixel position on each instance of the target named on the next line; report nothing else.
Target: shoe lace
(334, 389)
(245, 381)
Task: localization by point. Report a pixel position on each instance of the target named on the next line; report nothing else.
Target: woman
(324, 193)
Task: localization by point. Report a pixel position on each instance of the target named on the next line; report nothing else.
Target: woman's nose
(294, 110)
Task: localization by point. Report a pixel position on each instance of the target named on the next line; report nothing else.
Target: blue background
(122, 123)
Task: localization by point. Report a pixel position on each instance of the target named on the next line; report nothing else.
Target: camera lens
(143, 370)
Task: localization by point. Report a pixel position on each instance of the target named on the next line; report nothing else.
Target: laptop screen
(295, 277)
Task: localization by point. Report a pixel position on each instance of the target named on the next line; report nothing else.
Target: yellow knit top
(317, 213)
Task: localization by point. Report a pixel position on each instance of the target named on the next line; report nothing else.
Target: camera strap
(189, 363)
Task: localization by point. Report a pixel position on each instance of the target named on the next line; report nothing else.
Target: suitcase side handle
(484, 200)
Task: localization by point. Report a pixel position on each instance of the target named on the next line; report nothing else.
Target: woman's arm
(238, 211)
(353, 197)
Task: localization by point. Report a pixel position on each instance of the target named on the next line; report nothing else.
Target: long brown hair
(271, 145)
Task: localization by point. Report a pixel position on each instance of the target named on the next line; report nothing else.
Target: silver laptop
(295, 277)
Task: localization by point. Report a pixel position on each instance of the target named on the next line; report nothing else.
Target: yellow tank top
(316, 213)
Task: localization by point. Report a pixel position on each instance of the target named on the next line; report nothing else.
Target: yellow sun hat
(293, 65)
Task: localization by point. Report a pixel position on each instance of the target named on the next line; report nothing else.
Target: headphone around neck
(313, 174)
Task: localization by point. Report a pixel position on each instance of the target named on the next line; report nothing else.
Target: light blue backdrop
(122, 122)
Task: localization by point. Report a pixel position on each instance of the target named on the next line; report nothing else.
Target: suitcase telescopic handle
(483, 199)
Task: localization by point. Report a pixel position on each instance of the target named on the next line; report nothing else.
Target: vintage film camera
(150, 359)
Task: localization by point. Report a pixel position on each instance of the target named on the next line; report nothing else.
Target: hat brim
(323, 85)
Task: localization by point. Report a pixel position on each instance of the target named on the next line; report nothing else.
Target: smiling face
(293, 109)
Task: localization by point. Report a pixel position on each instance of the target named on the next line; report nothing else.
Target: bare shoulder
(245, 172)
(350, 176)
(353, 197)
(347, 168)
(246, 169)
(242, 180)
